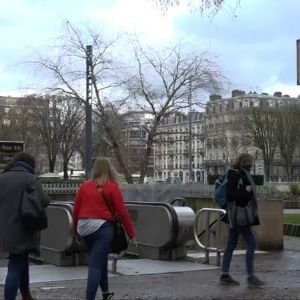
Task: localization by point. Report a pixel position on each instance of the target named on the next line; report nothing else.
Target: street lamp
(298, 62)
(88, 112)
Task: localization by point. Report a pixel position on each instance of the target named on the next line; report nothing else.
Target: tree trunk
(267, 168)
(65, 168)
(121, 162)
(145, 163)
(119, 155)
(51, 165)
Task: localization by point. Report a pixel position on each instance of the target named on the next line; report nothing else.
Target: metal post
(114, 265)
(190, 133)
(218, 262)
(207, 238)
(88, 112)
(298, 62)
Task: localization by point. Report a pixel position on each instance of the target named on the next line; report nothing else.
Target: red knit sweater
(89, 204)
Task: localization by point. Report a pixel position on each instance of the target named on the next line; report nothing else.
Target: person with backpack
(16, 239)
(242, 214)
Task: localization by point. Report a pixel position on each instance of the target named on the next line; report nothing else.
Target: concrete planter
(270, 231)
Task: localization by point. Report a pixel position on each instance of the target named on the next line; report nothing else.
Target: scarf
(25, 165)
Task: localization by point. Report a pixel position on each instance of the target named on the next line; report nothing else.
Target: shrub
(270, 191)
(294, 189)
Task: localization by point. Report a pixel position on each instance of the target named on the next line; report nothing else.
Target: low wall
(269, 233)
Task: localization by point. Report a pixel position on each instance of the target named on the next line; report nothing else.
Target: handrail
(206, 247)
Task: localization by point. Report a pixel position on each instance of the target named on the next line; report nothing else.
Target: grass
(292, 218)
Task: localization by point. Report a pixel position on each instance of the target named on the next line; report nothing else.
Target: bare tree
(68, 72)
(47, 120)
(288, 132)
(259, 124)
(160, 85)
(213, 6)
(70, 127)
(163, 84)
(58, 120)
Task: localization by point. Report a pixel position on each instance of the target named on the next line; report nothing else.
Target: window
(246, 104)
(6, 122)
(271, 103)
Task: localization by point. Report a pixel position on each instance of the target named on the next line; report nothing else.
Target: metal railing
(61, 187)
(220, 212)
(269, 190)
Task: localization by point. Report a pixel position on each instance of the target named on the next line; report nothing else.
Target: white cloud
(140, 17)
(255, 49)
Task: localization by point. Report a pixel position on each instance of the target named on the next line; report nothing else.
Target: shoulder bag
(244, 216)
(120, 242)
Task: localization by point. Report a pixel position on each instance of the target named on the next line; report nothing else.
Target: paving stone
(280, 269)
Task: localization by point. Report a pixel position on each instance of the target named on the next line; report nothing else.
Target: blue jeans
(98, 245)
(233, 238)
(17, 276)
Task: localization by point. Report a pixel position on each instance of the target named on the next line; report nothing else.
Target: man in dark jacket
(14, 238)
(241, 214)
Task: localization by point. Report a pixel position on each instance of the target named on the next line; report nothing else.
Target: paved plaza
(146, 279)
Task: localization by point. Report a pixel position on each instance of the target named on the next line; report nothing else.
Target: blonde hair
(103, 171)
(242, 160)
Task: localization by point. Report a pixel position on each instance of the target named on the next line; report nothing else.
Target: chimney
(278, 94)
(236, 93)
(214, 97)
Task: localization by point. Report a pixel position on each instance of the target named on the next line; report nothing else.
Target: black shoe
(228, 280)
(107, 295)
(254, 281)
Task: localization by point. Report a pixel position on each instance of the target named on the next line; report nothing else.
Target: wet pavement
(280, 269)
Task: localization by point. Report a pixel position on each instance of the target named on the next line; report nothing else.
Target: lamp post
(298, 62)
(190, 133)
(88, 112)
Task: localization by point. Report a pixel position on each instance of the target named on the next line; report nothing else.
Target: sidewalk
(280, 269)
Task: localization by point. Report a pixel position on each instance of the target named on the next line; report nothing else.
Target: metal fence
(61, 187)
(167, 192)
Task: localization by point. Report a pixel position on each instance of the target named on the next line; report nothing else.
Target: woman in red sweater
(93, 222)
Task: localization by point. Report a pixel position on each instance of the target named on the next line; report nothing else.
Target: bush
(270, 192)
(294, 189)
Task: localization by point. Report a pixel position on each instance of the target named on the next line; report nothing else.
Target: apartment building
(190, 149)
(17, 124)
(224, 140)
(179, 149)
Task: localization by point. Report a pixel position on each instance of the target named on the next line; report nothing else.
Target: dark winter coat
(13, 237)
(241, 204)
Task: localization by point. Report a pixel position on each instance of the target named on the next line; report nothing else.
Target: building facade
(192, 148)
(17, 123)
(179, 149)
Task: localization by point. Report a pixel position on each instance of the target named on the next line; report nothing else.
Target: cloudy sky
(255, 44)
